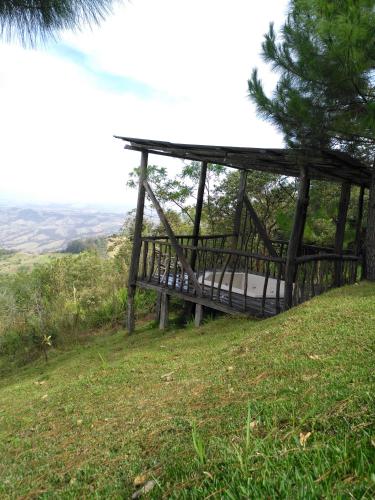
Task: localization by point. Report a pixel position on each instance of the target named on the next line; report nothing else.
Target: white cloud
(57, 123)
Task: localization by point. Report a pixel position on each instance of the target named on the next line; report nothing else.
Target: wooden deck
(221, 300)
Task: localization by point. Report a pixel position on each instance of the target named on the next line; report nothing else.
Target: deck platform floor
(233, 303)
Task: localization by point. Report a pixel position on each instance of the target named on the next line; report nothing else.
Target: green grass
(215, 412)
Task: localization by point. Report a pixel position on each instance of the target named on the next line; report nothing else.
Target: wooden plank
(327, 165)
(137, 242)
(259, 226)
(176, 246)
(296, 236)
(202, 300)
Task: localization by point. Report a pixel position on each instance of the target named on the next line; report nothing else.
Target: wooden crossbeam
(172, 237)
(259, 226)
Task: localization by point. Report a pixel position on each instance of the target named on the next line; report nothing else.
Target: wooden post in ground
(340, 229)
(164, 311)
(239, 207)
(189, 306)
(158, 306)
(134, 262)
(198, 318)
(296, 236)
(198, 211)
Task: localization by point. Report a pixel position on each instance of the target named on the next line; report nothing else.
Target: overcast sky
(173, 70)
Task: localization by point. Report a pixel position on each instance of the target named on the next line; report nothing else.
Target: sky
(172, 70)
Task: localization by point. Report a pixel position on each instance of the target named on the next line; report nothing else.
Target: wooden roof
(323, 165)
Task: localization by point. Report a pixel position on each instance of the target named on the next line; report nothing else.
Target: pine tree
(325, 96)
(33, 20)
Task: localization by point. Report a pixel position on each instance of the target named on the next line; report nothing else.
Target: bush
(53, 302)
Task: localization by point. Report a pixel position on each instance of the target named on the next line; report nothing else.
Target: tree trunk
(370, 235)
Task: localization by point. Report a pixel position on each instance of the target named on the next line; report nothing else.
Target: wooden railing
(223, 273)
(211, 240)
(318, 273)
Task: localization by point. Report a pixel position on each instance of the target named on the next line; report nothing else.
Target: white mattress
(255, 284)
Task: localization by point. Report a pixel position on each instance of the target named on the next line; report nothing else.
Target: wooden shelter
(245, 271)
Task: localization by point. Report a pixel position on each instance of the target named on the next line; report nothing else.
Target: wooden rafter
(323, 165)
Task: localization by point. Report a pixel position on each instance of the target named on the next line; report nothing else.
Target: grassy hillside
(224, 411)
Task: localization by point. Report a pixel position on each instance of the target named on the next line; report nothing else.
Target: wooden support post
(341, 217)
(134, 262)
(238, 212)
(176, 246)
(358, 226)
(158, 306)
(296, 236)
(259, 227)
(369, 265)
(164, 311)
(340, 229)
(198, 315)
(198, 211)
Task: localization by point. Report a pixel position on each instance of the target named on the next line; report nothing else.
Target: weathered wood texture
(239, 207)
(198, 210)
(323, 165)
(296, 236)
(370, 234)
(134, 262)
(198, 318)
(358, 225)
(164, 311)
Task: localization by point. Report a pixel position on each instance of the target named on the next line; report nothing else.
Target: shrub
(53, 302)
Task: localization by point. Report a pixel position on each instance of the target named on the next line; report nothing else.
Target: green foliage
(198, 443)
(325, 55)
(177, 194)
(52, 303)
(95, 418)
(5, 252)
(93, 244)
(30, 20)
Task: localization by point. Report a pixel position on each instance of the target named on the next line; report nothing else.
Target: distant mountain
(50, 228)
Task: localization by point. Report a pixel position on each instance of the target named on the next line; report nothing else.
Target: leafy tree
(179, 191)
(325, 96)
(31, 20)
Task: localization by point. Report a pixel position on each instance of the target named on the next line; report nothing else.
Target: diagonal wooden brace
(259, 226)
(176, 246)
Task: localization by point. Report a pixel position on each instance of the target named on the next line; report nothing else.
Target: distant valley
(41, 229)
